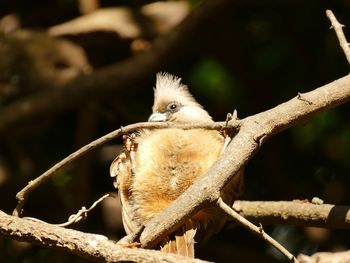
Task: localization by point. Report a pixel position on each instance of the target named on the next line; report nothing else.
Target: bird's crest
(169, 88)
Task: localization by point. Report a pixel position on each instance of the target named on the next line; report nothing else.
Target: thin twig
(75, 218)
(82, 213)
(23, 194)
(255, 229)
(338, 28)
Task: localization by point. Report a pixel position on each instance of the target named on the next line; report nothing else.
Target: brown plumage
(158, 165)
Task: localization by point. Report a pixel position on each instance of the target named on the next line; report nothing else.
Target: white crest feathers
(170, 88)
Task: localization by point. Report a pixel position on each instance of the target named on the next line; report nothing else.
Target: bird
(158, 165)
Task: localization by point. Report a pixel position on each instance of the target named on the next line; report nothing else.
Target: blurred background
(72, 71)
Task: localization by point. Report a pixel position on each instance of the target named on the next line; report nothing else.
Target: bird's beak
(157, 116)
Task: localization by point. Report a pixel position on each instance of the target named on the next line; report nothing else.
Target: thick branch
(96, 248)
(295, 213)
(254, 131)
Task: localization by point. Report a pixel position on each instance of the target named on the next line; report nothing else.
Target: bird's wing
(120, 171)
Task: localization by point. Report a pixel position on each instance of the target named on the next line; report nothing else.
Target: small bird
(158, 165)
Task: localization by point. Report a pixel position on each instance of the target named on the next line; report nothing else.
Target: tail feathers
(182, 243)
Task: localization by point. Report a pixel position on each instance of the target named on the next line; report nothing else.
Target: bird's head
(173, 102)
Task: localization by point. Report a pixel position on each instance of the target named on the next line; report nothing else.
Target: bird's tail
(182, 242)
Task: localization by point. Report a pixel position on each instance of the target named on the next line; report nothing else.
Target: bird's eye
(173, 107)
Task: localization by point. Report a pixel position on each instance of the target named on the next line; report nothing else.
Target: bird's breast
(167, 162)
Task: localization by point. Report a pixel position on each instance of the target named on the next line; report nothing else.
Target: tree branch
(295, 213)
(96, 248)
(338, 28)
